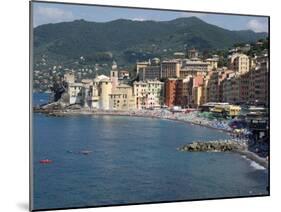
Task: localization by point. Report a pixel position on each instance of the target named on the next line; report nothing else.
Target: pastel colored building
(258, 90)
(155, 93)
(140, 91)
(171, 92)
(215, 84)
(148, 94)
(239, 63)
(105, 89)
(122, 98)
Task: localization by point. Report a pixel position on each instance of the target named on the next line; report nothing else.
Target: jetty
(214, 146)
(229, 145)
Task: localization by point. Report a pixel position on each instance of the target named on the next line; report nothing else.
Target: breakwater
(224, 146)
(214, 146)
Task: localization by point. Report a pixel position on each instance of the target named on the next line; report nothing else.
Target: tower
(114, 76)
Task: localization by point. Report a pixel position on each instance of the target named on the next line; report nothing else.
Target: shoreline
(131, 114)
(248, 154)
(253, 157)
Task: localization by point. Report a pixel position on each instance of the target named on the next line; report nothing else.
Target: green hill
(129, 40)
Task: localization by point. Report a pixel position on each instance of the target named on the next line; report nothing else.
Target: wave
(254, 164)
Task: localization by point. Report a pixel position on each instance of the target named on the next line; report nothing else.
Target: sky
(44, 13)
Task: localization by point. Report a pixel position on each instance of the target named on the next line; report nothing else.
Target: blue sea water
(133, 160)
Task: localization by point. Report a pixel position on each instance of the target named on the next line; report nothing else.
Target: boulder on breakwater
(214, 146)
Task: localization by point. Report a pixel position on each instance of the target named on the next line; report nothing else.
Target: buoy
(46, 161)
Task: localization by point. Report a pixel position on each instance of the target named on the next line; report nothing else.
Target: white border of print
(14, 105)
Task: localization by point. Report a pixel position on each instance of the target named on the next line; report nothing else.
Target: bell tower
(114, 75)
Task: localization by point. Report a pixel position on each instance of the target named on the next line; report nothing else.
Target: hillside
(128, 41)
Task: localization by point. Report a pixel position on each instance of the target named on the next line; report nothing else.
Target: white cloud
(257, 26)
(138, 19)
(43, 15)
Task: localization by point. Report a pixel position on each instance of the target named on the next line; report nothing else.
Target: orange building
(170, 92)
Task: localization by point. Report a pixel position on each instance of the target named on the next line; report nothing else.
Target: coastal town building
(105, 91)
(244, 87)
(170, 92)
(114, 79)
(140, 92)
(250, 87)
(184, 91)
(197, 67)
(123, 74)
(122, 98)
(148, 94)
(142, 65)
(75, 92)
(94, 95)
(86, 94)
(258, 88)
(155, 91)
(230, 87)
(170, 69)
(152, 72)
(179, 55)
(174, 82)
(192, 53)
(239, 63)
(215, 84)
(197, 91)
(213, 63)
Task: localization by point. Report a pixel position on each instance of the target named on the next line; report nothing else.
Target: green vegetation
(127, 41)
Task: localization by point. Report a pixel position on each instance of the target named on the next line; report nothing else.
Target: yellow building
(148, 94)
(213, 63)
(239, 63)
(105, 91)
(140, 91)
(122, 98)
(226, 110)
(197, 95)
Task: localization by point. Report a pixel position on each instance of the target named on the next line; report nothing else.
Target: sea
(131, 160)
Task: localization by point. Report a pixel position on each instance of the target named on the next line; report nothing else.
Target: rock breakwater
(214, 146)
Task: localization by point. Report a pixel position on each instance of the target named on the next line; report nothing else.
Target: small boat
(45, 161)
(85, 152)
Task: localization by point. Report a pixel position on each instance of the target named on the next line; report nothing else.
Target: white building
(75, 91)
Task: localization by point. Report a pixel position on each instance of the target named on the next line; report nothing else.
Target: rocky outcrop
(214, 146)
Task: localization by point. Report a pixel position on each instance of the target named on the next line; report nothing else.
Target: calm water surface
(133, 160)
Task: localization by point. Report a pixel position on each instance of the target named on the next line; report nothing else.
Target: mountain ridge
(124, 38)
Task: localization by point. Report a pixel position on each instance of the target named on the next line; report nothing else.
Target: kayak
(46, 161)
